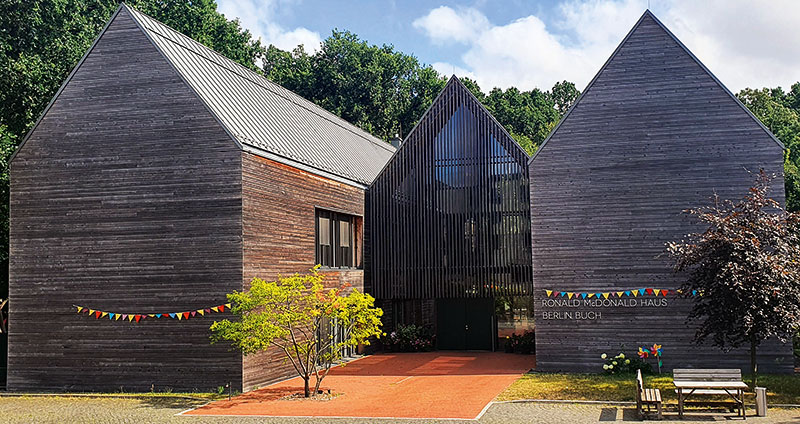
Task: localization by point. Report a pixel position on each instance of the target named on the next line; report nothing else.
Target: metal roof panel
(266, 116)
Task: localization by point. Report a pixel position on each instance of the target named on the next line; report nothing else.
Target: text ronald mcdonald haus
(593, 303)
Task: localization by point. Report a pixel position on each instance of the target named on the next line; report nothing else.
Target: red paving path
(401, 385)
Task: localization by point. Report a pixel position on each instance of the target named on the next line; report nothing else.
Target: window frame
(335, 256)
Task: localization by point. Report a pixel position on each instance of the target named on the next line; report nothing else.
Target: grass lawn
(781, 389)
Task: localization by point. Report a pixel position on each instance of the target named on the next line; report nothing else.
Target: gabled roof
(453, 87)
(650, 17)
(262, 117)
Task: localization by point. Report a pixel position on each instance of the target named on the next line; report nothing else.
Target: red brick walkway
(404, 385)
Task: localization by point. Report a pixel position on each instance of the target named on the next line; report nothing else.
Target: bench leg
(658, 406)
(680, 403)
(741, 404)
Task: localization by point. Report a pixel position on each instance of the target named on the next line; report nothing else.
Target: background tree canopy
(381, 90)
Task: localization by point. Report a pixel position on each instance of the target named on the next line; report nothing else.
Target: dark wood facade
(653, 134)
(122, 200)
(448, 215)
(130, 196)
(279, 204)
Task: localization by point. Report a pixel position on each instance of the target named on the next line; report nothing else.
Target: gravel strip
(60, 409)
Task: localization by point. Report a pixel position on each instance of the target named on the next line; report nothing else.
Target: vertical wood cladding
(653, 135)
(449, 215)
(279, 204)
(126, 197)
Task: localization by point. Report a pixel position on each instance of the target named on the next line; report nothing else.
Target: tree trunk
(753, 362)
(307, 390)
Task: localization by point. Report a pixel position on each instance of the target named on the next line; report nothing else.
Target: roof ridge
(259, 80)
(648, 13)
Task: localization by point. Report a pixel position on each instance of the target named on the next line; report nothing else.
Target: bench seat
(651, 396)
(708, 392)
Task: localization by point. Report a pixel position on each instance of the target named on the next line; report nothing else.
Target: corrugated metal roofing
(266, 116)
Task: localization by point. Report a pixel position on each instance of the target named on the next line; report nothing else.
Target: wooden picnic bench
(710, 382)
(646, 397)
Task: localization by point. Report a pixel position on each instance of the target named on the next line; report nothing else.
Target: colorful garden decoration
(3, 316)
(620, 293)
(654, 351)
(130, 317)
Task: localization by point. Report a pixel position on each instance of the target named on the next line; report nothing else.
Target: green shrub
(524, 343)
(622, 364)
(410, 338)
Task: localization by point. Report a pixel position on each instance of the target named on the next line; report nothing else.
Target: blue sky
(531, 44)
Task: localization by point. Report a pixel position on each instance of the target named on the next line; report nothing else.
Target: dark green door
(464, 324)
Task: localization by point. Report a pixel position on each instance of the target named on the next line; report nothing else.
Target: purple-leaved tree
(744, 270)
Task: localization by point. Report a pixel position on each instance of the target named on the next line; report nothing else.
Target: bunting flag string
(647, 291)
(131, 317)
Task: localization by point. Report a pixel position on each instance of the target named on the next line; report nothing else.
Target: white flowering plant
(621, 364)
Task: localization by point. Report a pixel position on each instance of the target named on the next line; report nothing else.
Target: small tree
(742, 271)
(296, 315)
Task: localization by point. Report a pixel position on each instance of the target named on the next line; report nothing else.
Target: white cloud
(258, 16)
(444, 24)
(744, 42)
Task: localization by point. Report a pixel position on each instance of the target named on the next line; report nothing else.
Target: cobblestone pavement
(54, 409)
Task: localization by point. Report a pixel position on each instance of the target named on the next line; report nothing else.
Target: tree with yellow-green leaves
(298, 315)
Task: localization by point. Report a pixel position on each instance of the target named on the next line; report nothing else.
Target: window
(336, 240)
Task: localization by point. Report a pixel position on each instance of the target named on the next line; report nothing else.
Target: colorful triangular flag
(605, 295)
(619, 294)
(186, 315)
(201, 312)
(130, 318)
(80, 308)
(215, 309)
(657, 292)
(110, 316)
(549, 292)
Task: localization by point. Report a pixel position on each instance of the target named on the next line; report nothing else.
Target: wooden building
(654, 133)
(448, 224)
(161, 177)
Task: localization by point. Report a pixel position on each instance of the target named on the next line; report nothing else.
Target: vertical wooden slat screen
(448, 217)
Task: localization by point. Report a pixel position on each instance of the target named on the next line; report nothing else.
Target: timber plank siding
(448, 215)
(652, 135)
(279, 215)
(126, 197)
(135, 194)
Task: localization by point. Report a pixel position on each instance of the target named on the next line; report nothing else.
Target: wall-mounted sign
(589, 305)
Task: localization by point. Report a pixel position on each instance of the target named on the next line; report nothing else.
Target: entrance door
(464, 324)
